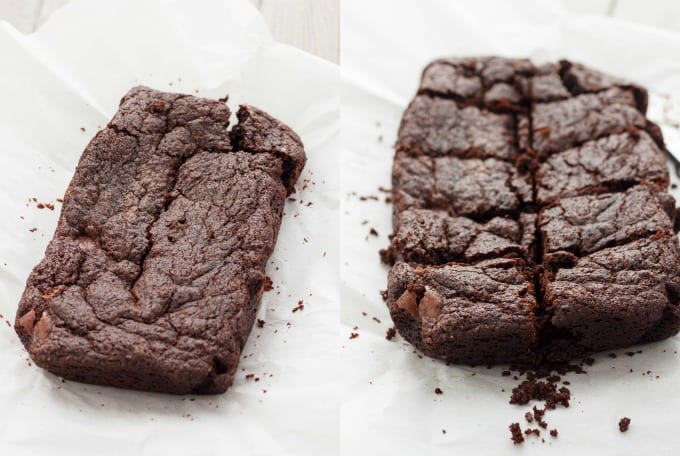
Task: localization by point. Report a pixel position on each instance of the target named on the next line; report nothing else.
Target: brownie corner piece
(258, 131)
(155, 272)
(478, 313)
(618, 296)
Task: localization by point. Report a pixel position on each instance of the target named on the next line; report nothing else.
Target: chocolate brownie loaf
(531, 215)
(156, 269)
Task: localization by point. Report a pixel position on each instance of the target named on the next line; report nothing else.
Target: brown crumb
(368, 198)
(391, 333)
(33, 230)
(353, 335)
(438, 391)
(40, 206)
(529, 417)
(260, 323)
(536, 432)
(443, 431)
(300, 306)
(516, 431)
(624, 423)
(376, 319)
(249, 376)
(553, 432)
(82, 128)
(268, 284)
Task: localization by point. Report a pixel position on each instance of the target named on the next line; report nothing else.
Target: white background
(389, 405)
(71, 74)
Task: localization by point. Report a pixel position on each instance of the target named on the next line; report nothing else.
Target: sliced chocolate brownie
(608, 163)
(435, 237)
(615, 297)
(481, 313)
(492, 82)
(437, 127)
(586, 224)
(560, 125)
(156, 269)
(585, 159)
(476, 188)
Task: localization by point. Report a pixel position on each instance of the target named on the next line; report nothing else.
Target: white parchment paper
(70, 75)
(389, 405)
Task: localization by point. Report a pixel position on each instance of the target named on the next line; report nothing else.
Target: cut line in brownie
(156, 269)
(475, 188)
(436, 237)
(586, 224)
(610, 163)
(615, 297)
(438, 127)
(481, 313)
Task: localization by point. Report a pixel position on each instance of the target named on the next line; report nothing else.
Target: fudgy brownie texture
(156, 269)
(465, 313)
(477, 188)
(531, 215)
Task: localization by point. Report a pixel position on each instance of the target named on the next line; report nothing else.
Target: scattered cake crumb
(300, 306)
(624, 423)
(260, 323)
(353, 335)
(516, 433)
(438, 391)
(391, 332)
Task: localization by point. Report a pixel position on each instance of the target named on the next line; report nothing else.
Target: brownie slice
(586, 224)
(435, 237)
(492, 82)
(560, 125)
(547, 84)
(608, 163)
(437, 127)
(476, 188)
(479, 313)
(615, 297)
(156, 269)
(581, 79)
